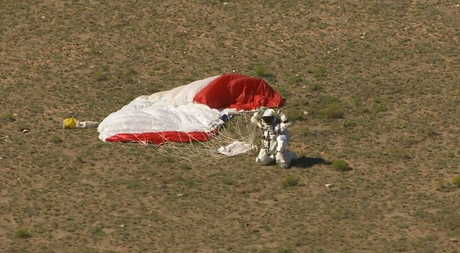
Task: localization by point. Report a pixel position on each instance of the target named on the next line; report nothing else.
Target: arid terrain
(373, 83)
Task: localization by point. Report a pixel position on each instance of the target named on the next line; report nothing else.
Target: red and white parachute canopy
(191, 112)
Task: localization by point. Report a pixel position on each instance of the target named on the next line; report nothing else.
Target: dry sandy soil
(391, 67)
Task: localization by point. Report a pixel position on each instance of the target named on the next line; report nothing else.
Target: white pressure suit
(275, 137)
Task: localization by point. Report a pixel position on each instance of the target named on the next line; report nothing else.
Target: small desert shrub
(443, 186)
(130, 97)
(456, 181)
(262, 71)
(310, 69)
(189, 79)
(295, 114)
(22, 127)
(320, 73)
(96, 51)
(227, 181)
(97, 232)
(349, 124)
(7, 117)
(100, 76)
(56, 139)
(127, 74)
(334, 111)
(378, 105)
(340, 165)
(190, 181)
(185, 166)
(285, 250)
(304, 132)
(430, 132)
(296, 79)
(22, 233)
(315, 87)
(290, 181)
(285, 92)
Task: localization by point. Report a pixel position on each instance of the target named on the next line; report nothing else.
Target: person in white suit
(275, 137)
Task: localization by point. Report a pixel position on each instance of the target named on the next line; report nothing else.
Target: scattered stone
(453, 240)
(122, 226)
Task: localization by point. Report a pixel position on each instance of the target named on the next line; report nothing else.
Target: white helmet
(269, 116)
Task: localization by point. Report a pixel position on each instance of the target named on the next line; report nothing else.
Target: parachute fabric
(187, 113)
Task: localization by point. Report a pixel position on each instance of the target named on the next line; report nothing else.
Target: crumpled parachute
(192, 112)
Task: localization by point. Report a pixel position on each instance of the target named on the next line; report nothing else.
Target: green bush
(340, 165)
(290, 181)
(285, 250)
(7, 117)
(22, 127)
(295, 115)
(262, 71)
(227, 181)
(315, 87)
(456, 181)
(100, 76)
(127, 74)
(296, 79)
(56, 139)
(334, 111)
(320, 73)
(443, 186)
(96, 51)
(378, 105)
(185, 166)
(22, 233)
(430, 132)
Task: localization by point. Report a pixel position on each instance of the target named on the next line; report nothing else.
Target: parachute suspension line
(170, 151)
(239, 128)
(179, 151)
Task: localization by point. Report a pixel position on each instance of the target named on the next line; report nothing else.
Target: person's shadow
(307, 162)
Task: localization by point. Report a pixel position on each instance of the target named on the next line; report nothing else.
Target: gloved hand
(255, 117)
(258, 115)
(261, 110)
(282, 116)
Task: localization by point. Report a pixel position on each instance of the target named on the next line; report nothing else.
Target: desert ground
(373, 83)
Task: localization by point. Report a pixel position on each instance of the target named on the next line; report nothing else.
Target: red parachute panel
(239, 92)
(163, 137)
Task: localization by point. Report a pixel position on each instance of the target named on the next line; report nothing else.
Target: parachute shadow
(308, 162)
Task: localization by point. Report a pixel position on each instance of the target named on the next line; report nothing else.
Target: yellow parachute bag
(69, 123)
